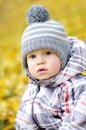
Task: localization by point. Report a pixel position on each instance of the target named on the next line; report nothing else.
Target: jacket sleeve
(22, 121)
(76, 119)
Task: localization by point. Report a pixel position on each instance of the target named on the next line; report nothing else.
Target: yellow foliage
(72, 14)
(10, 127)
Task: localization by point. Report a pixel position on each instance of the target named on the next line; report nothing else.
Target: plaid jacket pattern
(58, 103)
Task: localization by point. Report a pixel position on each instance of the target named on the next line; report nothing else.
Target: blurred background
(13, 80)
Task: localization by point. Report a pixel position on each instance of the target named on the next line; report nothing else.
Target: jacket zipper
(33, 117)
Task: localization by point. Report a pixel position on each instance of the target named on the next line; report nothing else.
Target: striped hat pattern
(43, 33)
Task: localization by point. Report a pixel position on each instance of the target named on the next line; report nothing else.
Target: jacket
(58, 103)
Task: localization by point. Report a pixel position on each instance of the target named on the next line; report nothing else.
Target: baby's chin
(46, 78)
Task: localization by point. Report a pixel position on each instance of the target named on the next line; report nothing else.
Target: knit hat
(44, 33)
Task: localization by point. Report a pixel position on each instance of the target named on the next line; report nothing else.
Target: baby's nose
(40, 60)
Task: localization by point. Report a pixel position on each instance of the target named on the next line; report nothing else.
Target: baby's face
(43, 64)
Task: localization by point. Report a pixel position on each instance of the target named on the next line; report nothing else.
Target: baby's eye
(32, 56)
(48, 52)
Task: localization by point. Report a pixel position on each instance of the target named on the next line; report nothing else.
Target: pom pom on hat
(37, 13)
(44, 33)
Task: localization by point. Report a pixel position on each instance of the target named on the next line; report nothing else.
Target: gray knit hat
(44, 33)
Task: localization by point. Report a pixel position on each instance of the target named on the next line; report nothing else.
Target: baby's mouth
(42, 71)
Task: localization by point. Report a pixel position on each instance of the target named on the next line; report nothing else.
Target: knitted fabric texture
(43, 33)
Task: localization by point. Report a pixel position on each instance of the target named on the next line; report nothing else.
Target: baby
(55, 98)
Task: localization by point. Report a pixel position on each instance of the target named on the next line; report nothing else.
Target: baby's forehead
(41, 50)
